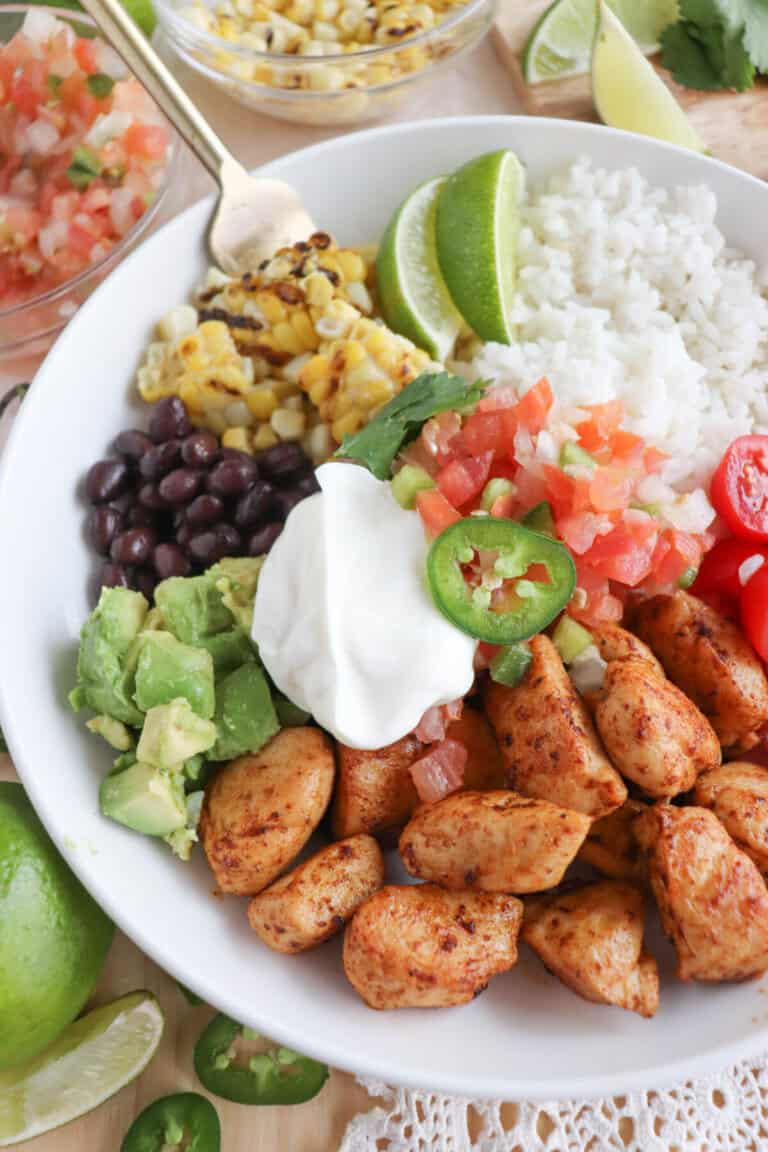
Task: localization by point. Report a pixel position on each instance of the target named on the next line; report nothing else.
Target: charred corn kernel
(288, 425)
(301, 322)
(320, 391)
(262, 402)
(179, 322)
(293, 403)
(293, 369)
(351, 265)
(239, 438)
(347, 424)
(315, 371)
(318, 443)
(282, 388)
(319, 290)
(272, 308)
(287, 338)
(263, 437)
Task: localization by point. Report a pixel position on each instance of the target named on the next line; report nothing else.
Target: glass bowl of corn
(323, 62)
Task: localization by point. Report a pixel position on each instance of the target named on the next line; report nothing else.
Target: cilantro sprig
(717, 44)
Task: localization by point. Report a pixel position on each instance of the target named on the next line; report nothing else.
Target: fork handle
(137, 52)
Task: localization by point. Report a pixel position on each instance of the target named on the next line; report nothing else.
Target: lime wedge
(143, 12)
(561, 42)
(92, 1059)
(478, 220)
(413, 295)
(628, 92)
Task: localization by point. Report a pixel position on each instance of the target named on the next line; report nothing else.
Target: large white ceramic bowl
(527, 1036)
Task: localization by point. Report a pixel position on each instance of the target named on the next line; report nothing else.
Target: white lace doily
(725, 1113)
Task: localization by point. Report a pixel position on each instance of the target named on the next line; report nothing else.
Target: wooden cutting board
(733, 125)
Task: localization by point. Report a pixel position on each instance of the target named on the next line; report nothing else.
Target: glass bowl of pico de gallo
(86, 163)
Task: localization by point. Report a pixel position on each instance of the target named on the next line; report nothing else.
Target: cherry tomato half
(739, 488)
(719, 570)
(754, 611)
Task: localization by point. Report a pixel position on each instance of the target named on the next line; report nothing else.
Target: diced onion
(587, 671)
(749, 566)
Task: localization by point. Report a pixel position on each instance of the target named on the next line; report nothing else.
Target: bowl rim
(15, 311)
(170, 18)
(334, 1050)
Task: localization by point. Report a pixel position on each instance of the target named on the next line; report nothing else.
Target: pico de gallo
(83, 151)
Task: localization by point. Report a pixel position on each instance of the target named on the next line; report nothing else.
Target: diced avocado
(511, 664)
(113, 731)
(168, 670)
(572, 455)
(105, 663)
(173, 733)
(540, 519)
(245, 714)
(407, 484)
(123, 761)
(153, 621)
(493, 491)
(570, 638)
(236, 579)
(182, 840)
(145, 799)
(229, 650)
(192, 608)
(289, 714)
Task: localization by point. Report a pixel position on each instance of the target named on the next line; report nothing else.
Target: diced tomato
(86, 55)
(626, 446)
(610, 489)
(754, 611)
(719, 570)
(568, 495)
(653, 460)
(580, 530)
(440, 772)
(532, 409)
(498, 398)
(503, 470)
(626, 553)
(739, 488)
(601, 606)
(605, 419)
(29, 86)
(484, 655)
(675, 553)
(442, 437)
(435, 511)
(483, 432)
(461, 480)
(147, 140)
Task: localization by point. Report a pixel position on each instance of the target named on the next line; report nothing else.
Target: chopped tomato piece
(440, 772)
(580, 530)
(739, 489)
(605, 419)
(461, 480)
(435, 511)
(86, 55)
(145, 140)
(626, 553)
(532, 409)
(653, 460)
(719, 570)
(483, 432)
(567, 494)
(754, 611)
(682, 552)
(610, 489)
(442, 437)
(627, 446)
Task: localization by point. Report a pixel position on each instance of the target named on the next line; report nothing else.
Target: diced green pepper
(572, 455)
(540, 519)
(277, 1076)
(510, 664)
(100, 85)
(185, 1119)
(407, 484)
(85, 167)
(493, 490)
(570, 638)
(688, 577)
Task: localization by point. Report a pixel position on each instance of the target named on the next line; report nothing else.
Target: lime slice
(92, 1059)
(628, 92)
(561, 42)
(143, 12)
(413, 295)
(478, 219)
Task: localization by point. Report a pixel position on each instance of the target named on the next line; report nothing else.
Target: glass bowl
(29, 328)
(339, 89)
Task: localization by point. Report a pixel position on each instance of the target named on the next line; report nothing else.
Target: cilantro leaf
(705, 49)
(705, 13)
(687, 59)
(401, 419)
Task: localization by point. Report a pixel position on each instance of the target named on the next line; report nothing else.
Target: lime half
(143, 12)
(629, 93)
(413, 295)
(92, 1059)
(561, 42)
(478, 221)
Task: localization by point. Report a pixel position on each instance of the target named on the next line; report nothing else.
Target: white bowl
(527, 1036)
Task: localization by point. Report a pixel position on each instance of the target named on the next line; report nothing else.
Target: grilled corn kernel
(264, 437)
(293, 403)
(239, 438)
(261, 402)
(288, 425)
(318, 443)
(179, 322)
(347, 424)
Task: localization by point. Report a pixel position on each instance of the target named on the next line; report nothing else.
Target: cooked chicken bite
(422, 947)
(259, 811)
(592, 940)
(737, 793)
(548, 742)
(315, 900)
(611, 847)
(615, 643)
(652, 732)
(493, 842)
(712, 899)
(709, 658)
(375, 790)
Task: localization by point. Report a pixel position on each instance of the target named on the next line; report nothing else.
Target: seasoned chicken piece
(712, 899)
(422, 947)
(652, 732)
(610, 846)
(737, 793)
(548, 742)
(710, 659)
(592, 940)
(259, 811)
(615, 643)
(314, 901)
(492, 842)
(375, 790)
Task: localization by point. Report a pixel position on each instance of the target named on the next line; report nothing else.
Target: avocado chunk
(228, 650)
(145, 799)
(173, 733)
(245, 715)
(181, 841)
(106, 661)
(168, 670)
(113, 731)
(192, 608)
(236, 579)
(289, 714)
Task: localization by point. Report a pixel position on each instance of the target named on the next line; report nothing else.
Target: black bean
(113, 576)
(235, 454)
(204, 510)
(184, 534)
(282, 461)
(140, 517)
(168, 419)
(230, 540)
(232, 477)
(150, 497)
(307, 485)
(261, 541)
(256, 506)
(200, 449)
(160, 459)
(181, 486)
(287, 500)
(132, 444)
(208, 547)
(169, 560)
(104, 523)
(145, 580)
(105, 480)
(134, 546)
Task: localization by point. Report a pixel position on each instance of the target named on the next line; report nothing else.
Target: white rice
(627, 290)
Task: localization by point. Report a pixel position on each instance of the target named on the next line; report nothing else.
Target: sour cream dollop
(344, 621)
